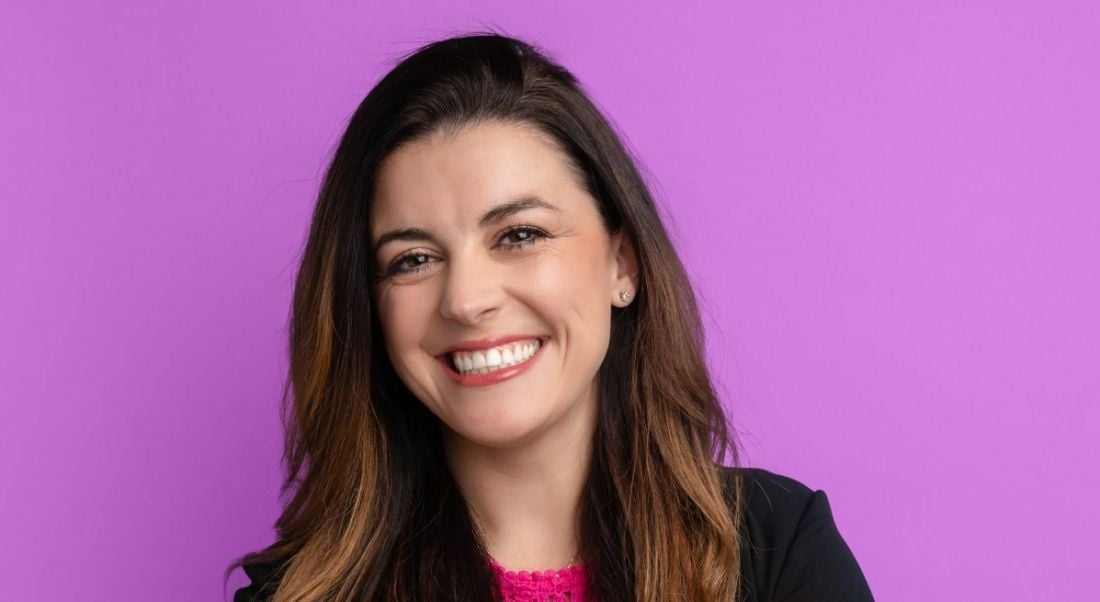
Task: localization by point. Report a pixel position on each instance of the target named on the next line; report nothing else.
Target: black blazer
(791, 549)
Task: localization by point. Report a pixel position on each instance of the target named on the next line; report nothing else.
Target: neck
(525, 498)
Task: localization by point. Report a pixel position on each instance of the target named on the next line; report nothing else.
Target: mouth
(492, 359)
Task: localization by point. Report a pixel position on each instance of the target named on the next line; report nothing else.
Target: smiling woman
(514, 293)
(497, 388)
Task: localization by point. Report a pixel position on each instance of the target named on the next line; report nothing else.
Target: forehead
(459, 174)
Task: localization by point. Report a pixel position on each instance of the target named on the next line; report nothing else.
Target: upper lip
(488, 342)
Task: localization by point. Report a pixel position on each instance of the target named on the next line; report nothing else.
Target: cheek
(579, 279)
(402, 315)
(572, 291)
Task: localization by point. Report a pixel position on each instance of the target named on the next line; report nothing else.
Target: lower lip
(490, 378)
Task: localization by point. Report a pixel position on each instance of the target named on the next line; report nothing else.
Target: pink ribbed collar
(542, 586)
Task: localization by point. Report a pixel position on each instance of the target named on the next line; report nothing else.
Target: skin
(519, 448)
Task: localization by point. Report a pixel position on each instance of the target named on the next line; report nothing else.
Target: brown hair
(375, 513)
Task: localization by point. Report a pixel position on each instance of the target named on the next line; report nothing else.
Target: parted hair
(371, 511)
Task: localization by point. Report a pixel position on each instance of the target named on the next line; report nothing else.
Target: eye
(520, 236)
(409, 263)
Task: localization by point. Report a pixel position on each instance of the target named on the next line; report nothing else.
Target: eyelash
(394, 268)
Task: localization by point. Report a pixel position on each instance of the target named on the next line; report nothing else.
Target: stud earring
(624, 295)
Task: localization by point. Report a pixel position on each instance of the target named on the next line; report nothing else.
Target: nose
(472, 292)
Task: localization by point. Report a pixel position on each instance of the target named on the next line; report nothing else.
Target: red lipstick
(490, 342)
(495, 376)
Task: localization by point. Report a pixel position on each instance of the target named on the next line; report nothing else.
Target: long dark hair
(375, 514)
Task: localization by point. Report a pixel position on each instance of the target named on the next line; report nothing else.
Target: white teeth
(489, 360)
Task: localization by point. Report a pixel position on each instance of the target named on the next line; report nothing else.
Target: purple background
(889, 211)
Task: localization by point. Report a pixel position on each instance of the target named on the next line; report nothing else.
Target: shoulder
(776, 500)
(791, 546)
(264, 580)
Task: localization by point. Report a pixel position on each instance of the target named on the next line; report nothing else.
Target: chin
(500, 430)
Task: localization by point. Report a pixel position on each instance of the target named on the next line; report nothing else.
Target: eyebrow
(492, 216)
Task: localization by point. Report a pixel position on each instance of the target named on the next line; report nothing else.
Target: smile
(496, 358)
(483, 367)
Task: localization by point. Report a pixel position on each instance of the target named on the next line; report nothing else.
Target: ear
(624, 269)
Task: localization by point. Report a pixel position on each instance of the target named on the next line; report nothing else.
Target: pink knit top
(561, 585)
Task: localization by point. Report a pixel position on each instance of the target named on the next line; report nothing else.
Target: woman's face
(497, 284)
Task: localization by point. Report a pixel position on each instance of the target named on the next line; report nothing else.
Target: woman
(496, 361)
